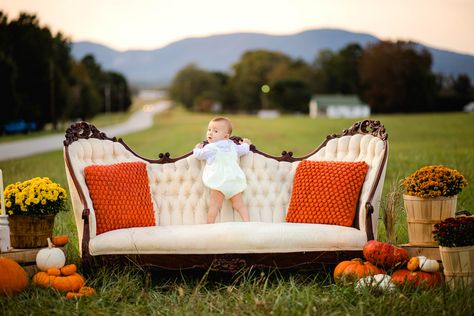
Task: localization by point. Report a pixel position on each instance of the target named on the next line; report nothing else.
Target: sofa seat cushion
(228, 237)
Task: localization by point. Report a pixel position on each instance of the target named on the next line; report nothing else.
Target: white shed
(338, 106)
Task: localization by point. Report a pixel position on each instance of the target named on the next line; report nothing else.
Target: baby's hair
(226, 120)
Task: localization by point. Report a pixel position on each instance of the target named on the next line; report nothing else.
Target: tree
(8, 90)
(120, 99)
(84, 100)
(453, 93)
(337, 72)
(195, 87)
(290, 95)
(397, 77)
(251, 72)
(38, 69)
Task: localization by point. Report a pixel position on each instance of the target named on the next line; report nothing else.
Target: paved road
(138, 121)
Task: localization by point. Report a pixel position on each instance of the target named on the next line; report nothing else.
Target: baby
(222, 173)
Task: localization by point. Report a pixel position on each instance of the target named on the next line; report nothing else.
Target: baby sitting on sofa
(222, 173)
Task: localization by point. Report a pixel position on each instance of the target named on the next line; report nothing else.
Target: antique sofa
(180, 237)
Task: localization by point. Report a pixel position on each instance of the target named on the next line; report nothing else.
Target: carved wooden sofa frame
(368, 133)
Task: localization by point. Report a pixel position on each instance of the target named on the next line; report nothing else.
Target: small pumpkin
(53, 271)
(352, 270)
(429, 265)
(413, 264)
(13, 278)
(50, 257)
(83, 291)
(376, 282)
(69, 269)
(87, 290)
(60, 240)
(385, 255)
(68, 283)
(41, 278)
(417, 278)
(71, 295)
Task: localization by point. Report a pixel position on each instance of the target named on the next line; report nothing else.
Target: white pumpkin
(50, 257)
(428, 265)
(378, 281)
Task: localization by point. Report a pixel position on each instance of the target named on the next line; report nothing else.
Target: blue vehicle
(19, 127)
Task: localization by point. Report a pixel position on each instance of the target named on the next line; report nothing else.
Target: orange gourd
(417, 278)
(68, 283)
(413, 264)
(71, 295)
(53, 271)
(87, 290)
(69, 269)
(13, 278)
(353, 270)
(60, 241)
(83, 291)
(385, 255)
(41, 278)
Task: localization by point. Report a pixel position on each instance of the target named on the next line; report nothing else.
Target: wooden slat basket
(30, 231)
(458, 265)
(423, 214)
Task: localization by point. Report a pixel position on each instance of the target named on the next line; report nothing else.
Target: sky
(152, 24)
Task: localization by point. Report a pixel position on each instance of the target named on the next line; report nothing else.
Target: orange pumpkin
(68, 283)
(41, 278)
(417, 278)
(87, 290)
(60, 241)
(351, 271)
(69, 269)
(53, 271)
(413, 264)
(71, 295)
(13, 278)
(385, 255)
(83, 291)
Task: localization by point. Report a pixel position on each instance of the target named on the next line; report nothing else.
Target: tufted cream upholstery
(181, 203)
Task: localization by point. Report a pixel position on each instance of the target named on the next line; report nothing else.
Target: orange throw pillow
(121, 195)
(326, 192)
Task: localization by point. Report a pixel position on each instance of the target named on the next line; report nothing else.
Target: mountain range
(219, 52)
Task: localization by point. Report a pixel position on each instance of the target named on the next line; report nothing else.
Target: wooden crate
(26, 258)
(431, 252)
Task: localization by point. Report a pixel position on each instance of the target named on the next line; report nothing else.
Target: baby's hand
(199, 145)
(246, 140)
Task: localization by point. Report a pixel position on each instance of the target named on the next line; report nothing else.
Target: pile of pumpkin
(54, 273)
(388, 266)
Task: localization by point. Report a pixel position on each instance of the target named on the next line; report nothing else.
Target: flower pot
(423, 214)
(30, 231)
(458, 263)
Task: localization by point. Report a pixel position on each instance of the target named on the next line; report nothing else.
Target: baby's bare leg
(239, 205)
(215, 205)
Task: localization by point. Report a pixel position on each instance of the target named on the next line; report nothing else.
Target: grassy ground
(415, 141)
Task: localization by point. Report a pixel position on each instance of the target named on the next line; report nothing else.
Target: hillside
(220, 52)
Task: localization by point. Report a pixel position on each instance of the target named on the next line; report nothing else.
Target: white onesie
(222, 171)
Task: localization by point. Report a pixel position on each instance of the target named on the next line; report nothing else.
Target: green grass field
(415, 141)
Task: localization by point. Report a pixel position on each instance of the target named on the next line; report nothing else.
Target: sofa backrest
(180, 197)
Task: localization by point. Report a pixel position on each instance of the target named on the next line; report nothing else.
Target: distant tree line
(41, 82)
(389, 76)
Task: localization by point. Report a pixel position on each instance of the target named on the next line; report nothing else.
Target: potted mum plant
(430, 197)
(32, 206)
(456, 246)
